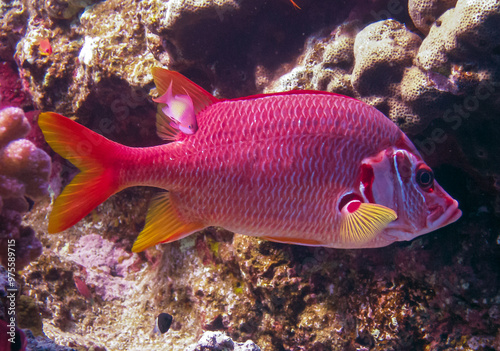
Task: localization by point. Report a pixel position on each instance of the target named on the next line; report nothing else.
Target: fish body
(45, 47)
(302, 167)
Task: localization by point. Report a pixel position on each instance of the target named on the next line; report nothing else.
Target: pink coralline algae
(11, 87)
(106, 264)
(24, 173)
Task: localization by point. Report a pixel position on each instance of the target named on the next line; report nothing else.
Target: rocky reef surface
(432, 66)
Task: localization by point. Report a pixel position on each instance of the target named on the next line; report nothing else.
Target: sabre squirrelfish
(301, 167)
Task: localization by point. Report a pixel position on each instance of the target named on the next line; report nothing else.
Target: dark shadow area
(268, 34)
(120, 112)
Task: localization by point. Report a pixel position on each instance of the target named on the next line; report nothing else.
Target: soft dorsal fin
(180, 85)
(163, 225)
(361, 222)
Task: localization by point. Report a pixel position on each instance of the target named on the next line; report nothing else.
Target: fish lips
(439, 217)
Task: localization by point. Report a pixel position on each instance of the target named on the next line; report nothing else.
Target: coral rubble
(218, 341)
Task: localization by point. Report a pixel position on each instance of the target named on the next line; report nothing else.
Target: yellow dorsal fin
(361, 222)
(163, 225)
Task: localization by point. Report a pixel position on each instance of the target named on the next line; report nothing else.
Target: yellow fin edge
(163, 225)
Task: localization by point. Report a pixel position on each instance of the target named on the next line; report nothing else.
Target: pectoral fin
(163, 225)
(361, 222)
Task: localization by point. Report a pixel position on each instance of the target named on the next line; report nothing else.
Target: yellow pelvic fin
(363, 224)
(163, 225)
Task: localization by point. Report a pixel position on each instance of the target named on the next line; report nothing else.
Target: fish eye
(425, 177)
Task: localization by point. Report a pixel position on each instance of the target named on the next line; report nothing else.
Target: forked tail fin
(94, 156)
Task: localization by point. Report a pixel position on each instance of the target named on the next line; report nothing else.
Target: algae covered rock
(437, 292)
(468, 32)
(24, 173)
(326, 63)
(218, 341)
(13, 18)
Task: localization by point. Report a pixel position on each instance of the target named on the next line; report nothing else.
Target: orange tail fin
(93, 154)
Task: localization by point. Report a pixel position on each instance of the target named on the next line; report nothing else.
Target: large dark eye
(425, 177)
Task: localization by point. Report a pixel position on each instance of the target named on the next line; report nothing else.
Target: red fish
(295, 5)
(301, 167)
(82, 288)
(45, 47)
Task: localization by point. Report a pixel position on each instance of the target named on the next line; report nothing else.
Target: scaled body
(283, 166)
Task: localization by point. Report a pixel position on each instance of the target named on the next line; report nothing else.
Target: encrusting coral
(381, 52)
(425, 12)
(24, 173)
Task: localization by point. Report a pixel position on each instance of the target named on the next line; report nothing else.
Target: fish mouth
(439, 218)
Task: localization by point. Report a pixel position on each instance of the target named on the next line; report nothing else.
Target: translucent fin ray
(91, 153)
(365, 222)
(163, 225)
(179, 85)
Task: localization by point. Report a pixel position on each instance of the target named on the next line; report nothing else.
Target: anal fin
(163, 225)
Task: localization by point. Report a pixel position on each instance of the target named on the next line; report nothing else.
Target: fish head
(399, 179)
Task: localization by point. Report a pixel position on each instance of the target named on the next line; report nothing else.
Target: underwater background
(431, 66)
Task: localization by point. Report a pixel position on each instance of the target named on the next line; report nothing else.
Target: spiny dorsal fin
(163, 225)
(163, 128)
(361, 222)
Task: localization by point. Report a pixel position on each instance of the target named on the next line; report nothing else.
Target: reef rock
(466, 35)
(218, 341)
(106, 266)
(425, 12)
(326, 63)
(382, 51)
(42, 343)
(13, 16)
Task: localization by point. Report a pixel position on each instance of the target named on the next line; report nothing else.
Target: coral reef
(436, 75)
(424, 13)
(24, 172)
